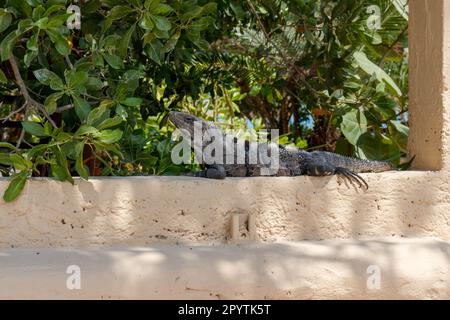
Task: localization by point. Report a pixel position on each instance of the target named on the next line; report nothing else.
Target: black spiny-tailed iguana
(291, 161)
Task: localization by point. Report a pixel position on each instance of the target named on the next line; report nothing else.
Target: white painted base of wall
(409, 268)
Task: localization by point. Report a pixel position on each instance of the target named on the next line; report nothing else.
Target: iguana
(292, 161)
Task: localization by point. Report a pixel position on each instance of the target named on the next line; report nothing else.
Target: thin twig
(69, 63)
(23, 89)
(8, 117)
(19, 141)
(64, 108)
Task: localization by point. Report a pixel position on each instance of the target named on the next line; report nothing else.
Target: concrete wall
(429, 83)
(148, 210)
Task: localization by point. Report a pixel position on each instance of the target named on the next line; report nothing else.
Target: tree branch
(23, 89)
(69, 63)
(64, 108)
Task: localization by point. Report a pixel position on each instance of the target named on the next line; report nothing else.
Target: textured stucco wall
(339, 269)
(147, 210)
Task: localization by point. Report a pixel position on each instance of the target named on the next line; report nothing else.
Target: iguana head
(191, 125)
(187, 122)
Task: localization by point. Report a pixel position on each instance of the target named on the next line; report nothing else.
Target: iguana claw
(352, 176)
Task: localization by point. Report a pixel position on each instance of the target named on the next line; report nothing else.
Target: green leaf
(194, 11)
(3, 78)
(48, 129)
(29, 57)
(34, 128)
(6, 46)
(60, 41)
(57, 21)
(160, 34)
(54, 8)
(32, 43)
(76, 79)
(61, 159)
(402, 7)
(37, 150)
(51, 102)
(62, 46)
(147, 23)
(125, 43)
(107, 103)
(108, 147)
(377, 147)
(110, 122)
(354, 124)
(118, 12)
(80, 168)
(24, 26)
(5, 20)
(209, 8)
(162, 9)
(172, 42)
(19, 162)
(5, 159)
(94, 84)
(58, 172)
(7, 145)
(114, 61)
(46, 77)
(400, 134)
(97, 59)
(85, 129)
(132, 102)
(372, 69)
(63, 137)
(109, 136)
(41, 23)
(136, 3)
(162, 23)
(34, 3)
(82, 107)
(92, 6)
(15, 187)
(154, 50)
(150, 4)
(401, 128)
(21, 6)
(97, 115)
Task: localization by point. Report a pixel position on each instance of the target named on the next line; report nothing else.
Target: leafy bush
(93, 101)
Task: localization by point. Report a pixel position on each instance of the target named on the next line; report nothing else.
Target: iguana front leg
(213, 171)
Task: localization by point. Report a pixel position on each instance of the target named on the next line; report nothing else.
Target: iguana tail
(353, 164)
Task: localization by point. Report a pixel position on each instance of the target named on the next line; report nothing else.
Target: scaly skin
(292, 161)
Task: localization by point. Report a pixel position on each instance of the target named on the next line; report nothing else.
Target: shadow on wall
(408, 268)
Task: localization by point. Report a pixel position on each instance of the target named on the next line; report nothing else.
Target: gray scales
(291, 162)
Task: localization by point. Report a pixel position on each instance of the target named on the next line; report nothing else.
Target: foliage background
(94, 101)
